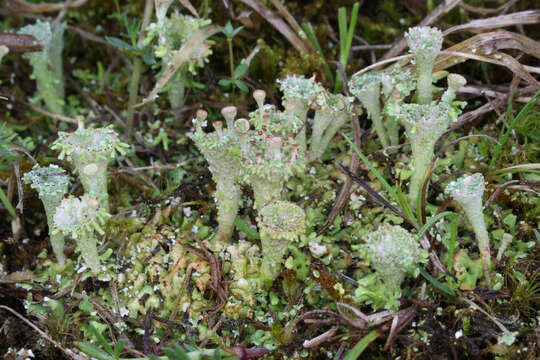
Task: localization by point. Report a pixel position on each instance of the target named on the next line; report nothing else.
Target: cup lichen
(90, 151)
(81, 218)
(468, 191)
(47, 64)
(393, 252)
(280, 223)
(425, 45)
(51, 184)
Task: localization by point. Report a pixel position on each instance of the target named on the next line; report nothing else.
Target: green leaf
(240, 70)
(443, 287)
(224, 82)
(432, 220)
(118, 348)
(176, 353)
(100, 338)
(244, 227)
(93, 351)
(360, 346)
(119, 43)
(242, 86)
(7, 204)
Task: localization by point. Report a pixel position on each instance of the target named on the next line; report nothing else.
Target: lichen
(47, 64)
(51, 184)
(468, 192)
(425, 45)
(393, 252)
(82, 219)
(90, 151)
(280, 223)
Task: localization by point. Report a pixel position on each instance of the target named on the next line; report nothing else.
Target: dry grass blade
(486, 11)
(484, 47)
(20, 42)
(521, 18)
(279, 24)
(191, 49)
(23, 6)
(190, 7)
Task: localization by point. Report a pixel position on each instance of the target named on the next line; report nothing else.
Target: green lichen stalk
(300, 94)
(393, 252)
(397, 83)
(90, 151)
(218, 149)
(467, 191)
(269, 154)
(455, 82)
(424, 124)
(51, 184)
(82, 219)
(367, 88)
(280, 223)
(424, 44)
(173, 32)
(332, 114)
(47, 64)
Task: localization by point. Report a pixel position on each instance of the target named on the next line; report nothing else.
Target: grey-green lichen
(300, 94)
(90, 151)
(47, 64)
(157, 272)
(367, 88)
(331, 114)
(82, 219)
(269, 154)
(468, 191)
(424, 124)
(280, 223)
(173, 32)
(393, 252)
(51, 184)
(217, 148)
(425, 45)
(397, 83)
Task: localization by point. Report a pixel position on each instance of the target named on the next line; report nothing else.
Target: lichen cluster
(393, 253)
(90, 150)
(173, 32)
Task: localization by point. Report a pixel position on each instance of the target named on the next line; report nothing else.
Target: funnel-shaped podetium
(393, 252)
(173, 32)
(367, 88)
(51, 184)
(47, 64)
(280, 223)
(425, 45)
(270, 155)
(397, 83)
(81, 218)
(455, 82)
(468, 191)
(424, 124)
(218, 148)
(90, 151)
(334, 112)
(300, 94)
